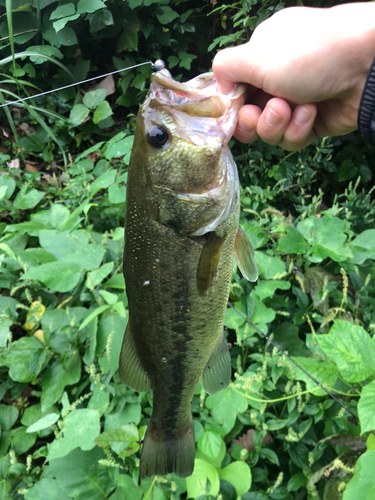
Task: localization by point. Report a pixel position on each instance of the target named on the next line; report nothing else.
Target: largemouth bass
(181, 232)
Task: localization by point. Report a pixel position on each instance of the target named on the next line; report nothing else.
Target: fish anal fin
(217, 373)
(131, 370)
(244, 253)
(209, 261)
(167, 452)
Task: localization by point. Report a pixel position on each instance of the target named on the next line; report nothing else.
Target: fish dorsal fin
(216, 374)
(131, 370)
(244, 253)
(209, 261)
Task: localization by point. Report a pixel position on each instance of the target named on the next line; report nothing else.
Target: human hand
(306, 69)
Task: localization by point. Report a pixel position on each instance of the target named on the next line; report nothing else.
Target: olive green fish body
(180, 231)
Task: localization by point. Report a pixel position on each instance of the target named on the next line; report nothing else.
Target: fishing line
(279, 348)
(9, 103)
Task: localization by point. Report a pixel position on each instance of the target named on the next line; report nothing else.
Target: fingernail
(302, 116)
(272, 118)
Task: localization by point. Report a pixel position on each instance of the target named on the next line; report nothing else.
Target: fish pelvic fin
(131, 370)
(244, 253)
(217, 373)
(209, 261)
(165, 452)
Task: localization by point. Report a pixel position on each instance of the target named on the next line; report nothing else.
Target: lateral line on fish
(279, 348)
(11, 103)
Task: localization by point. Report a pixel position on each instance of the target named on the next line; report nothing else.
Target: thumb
(232, 66)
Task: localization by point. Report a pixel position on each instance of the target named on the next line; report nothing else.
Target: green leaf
(8, 185)
(128, 40)
(110, 298)
(89, 6)
(296, 482)
(239, 475)
(210, 444)
(46, 489)
(362, 484)
(103, 182)
(293, 242)
(327, 237)
(269, 267)
(257, 236)
(363, 246)
(27, 198)
(60, 276)
(8, 416)
(197, 483)
(43, 423)
(225, 405)
(79, 475)
(22, 442)
(102, 112)
(366, 408)
(119, 148)
(63, 11)
(78, 114)
(57, 376)
(116, 194)
(265, 289)
(60, 24)
(97, 276)
(186, 59)
(81, 427)
(116, 281)
(351, 348)
(93, 98)
(324, 371)
(167, 15)
(25, 359)
(93, 315)
(127, 434)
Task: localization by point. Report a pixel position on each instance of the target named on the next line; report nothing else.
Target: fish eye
(157, 136)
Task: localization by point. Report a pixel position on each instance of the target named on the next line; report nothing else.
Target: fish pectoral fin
(244, 253)
(131, 370)
(209, 261)
(217, 373)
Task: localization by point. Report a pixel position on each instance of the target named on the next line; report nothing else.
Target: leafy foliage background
(69, 428)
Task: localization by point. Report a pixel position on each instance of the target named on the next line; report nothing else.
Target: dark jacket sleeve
(366, 112)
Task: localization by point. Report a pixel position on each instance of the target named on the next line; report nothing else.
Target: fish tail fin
(167, 452)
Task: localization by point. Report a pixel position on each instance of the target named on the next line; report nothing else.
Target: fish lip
(197, 97)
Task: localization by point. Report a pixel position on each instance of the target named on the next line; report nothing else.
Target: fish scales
(180, 231)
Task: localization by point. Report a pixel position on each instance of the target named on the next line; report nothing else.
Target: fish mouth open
(198, 97)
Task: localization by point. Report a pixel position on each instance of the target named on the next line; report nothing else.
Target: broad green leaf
(257, 236)
(366, 408)
(88, 6)
(296, 481)
(225, 405)
(116, 281)
(57, 377)
(98, 275)
(239, 475)
(99, 400)
(265, 289)
(351, 348)
(119, 148)
(363, 246)
(126, 434)
(102, 112)
(269, 267)
(79, 474)
(116, 194)
(110, 298)
(46, 489)
(44, 422)
(39, 53)
(327, 237)
(63, 11)
(167, 15)
(286, 335)
(27, 198)
(324, 371)
(78, 114)
(60, 24)
(100, 19)
(293, 242)
(185, 59)
(8, 416)
(197, 483)
(8, 184)
(60, 276)
(103, 182)
(93, 315)
(131, 414)
(210, 444)
(81, 427)
(22, 442)
(128, 40)
(93, 98)
(362, 484)
(25, 358)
